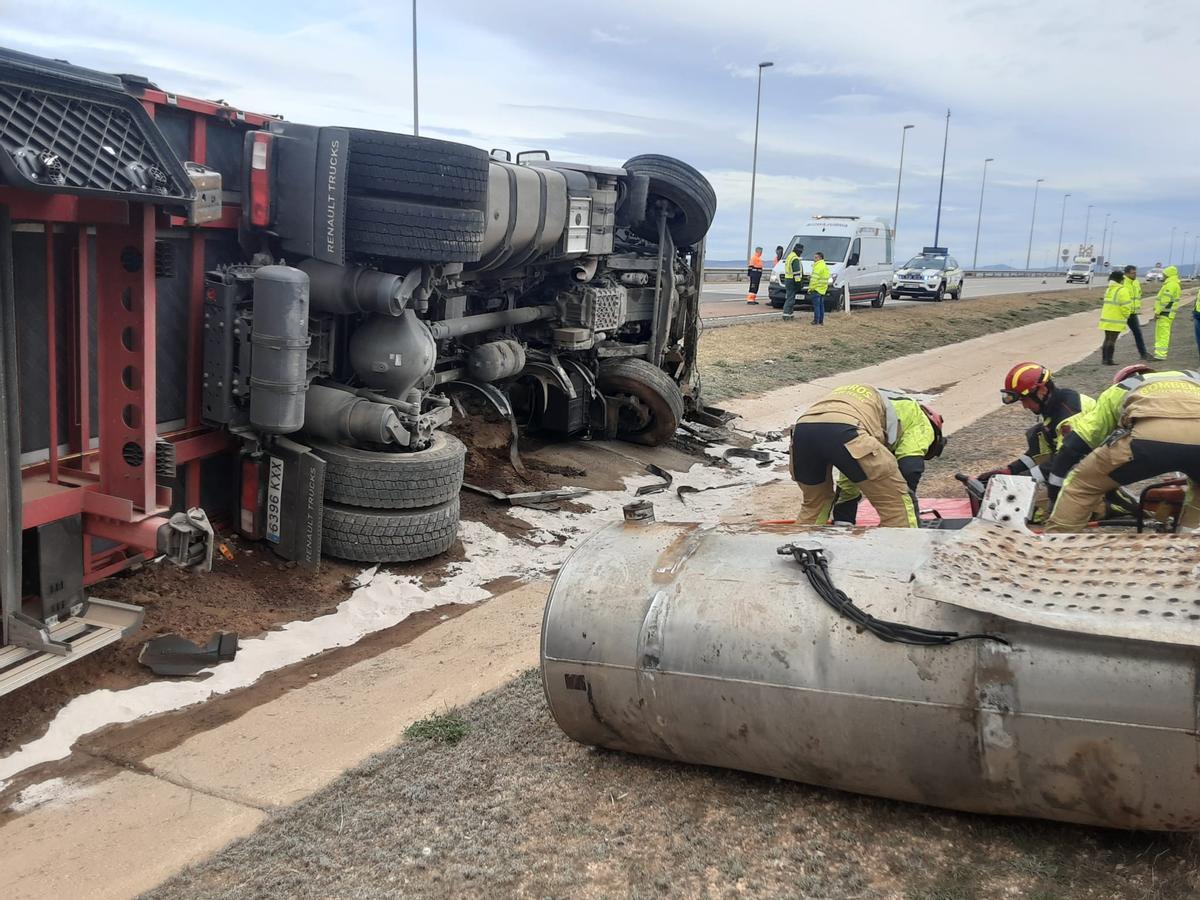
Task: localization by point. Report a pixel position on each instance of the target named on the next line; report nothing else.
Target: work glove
(988, 474)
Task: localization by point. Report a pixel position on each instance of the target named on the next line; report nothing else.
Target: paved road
(724, 299)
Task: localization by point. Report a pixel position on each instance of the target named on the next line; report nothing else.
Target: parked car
(929, 276)
(858, 252)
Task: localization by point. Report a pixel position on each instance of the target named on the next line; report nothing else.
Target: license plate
(274, 499)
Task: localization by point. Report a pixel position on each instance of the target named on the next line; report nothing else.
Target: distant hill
(999, 267)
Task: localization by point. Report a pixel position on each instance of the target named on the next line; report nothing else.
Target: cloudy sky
(1098, 99)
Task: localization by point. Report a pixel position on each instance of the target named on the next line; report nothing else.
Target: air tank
(700, 643)
(279, 350)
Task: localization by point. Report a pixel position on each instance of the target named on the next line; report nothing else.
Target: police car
(929, 276)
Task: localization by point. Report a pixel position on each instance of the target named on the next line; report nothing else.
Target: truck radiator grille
(81, 144)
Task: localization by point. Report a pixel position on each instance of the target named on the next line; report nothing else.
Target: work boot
(1106, 356)
(787, 318)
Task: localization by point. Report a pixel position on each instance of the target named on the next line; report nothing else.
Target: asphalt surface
(725, 300)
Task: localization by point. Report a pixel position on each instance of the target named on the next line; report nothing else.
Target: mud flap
(293, 498)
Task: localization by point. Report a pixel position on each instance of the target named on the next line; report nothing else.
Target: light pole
(1103, 235)
(899, 176)
(1183, 247)
(1087, 223)
(937, 226)
(1195, 245)
(416, 117)
(1032, 219)
(1061, 221)
(754, 164)
(1171, 252)
(1112, 230)
(979, 220)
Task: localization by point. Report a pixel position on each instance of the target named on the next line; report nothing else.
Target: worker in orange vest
(754, 270)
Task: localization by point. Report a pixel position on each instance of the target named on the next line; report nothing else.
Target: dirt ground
(740, 360)
(517, 809)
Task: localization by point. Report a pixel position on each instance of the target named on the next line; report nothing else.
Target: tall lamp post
(416, 118)
(979, 219)
(937, 225)
(899, 176)
(1195, 246)
(1032, 219)
(1087, 224)
(1112, 231)
(1103, 236)
(1171, 252)
(1062, 220)
(754, 164)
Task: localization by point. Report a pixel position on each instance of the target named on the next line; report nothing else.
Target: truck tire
(658, 400)
(412, 231)
(416, 168)
(388, 535)
(688, 191)
(393, 479)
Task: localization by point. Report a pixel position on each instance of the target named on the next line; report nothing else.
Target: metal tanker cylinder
(526, 214)
(700, 643)
(279, 350)
(495, 360)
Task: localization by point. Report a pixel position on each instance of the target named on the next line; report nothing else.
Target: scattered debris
(763, 457)
(684, 489)
(549, 500)
(659, 472)
(225, 551)
(172, 654)
(363, 578)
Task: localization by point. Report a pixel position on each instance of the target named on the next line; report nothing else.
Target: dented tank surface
(699, 643)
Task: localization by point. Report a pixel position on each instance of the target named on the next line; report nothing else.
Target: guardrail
(719, 274)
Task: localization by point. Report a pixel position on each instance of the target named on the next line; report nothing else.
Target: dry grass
(517, 809)
(740, 360)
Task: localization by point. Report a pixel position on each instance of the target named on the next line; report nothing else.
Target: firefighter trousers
(1149, 448)
(819, 447)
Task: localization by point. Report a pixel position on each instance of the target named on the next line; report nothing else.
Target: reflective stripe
(1055, 480)
(1021, 371)
(911, 512)
(1027, 460)
(891, 419)
(1035, 472)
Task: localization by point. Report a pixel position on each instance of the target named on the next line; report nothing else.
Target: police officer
(878, 440)
(1146, 424)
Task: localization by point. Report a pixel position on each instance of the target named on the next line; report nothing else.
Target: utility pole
(979, 220)
(1087, 224)
(754, 164)
(1103, 235)
(1171, 252)
(1032, 219)
(937, 227)
(899, 176)
(416, 116)
(1195, 246)
(1061, 222)
(1112, 230)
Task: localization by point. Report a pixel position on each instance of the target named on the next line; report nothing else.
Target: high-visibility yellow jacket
(793, 268)
(1117, 308)
(819, 281)
(1167, 301)
(1135, 295)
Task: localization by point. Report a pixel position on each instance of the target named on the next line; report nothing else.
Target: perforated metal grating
(1138, 586)
(80, 143)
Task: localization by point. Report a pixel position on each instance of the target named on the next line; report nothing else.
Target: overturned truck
(211, 310)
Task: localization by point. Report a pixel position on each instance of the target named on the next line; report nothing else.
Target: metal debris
(684, 489)
(763, 457)
(547, 500)
(172, 654)
(655, 488)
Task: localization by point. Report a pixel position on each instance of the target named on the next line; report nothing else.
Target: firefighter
(1134, 302)
(1032, 385)
(1165, 307)
(793, 280)
(1146, 424)
(754, 270)
(878, 440)
(1114, 315)
(818, 285)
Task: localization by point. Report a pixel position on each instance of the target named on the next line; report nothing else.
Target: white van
(858, 252)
